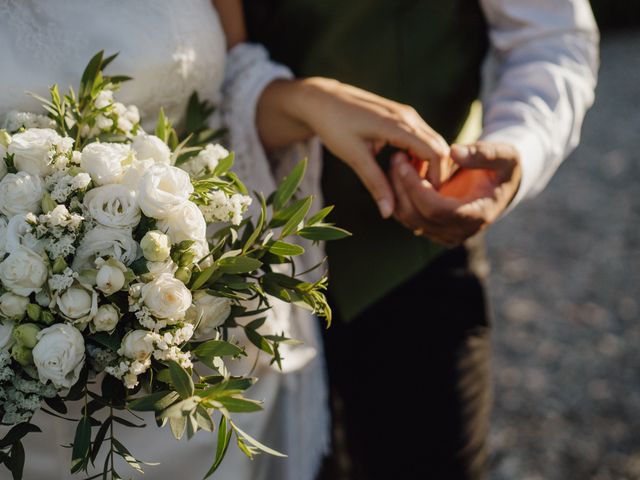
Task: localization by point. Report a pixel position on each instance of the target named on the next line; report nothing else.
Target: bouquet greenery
(111, 290)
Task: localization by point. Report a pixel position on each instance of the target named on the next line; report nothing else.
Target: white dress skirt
(172, 49)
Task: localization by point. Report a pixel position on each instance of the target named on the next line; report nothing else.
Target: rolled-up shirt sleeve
(541, 78)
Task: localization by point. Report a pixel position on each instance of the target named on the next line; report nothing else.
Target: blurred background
(565, 291)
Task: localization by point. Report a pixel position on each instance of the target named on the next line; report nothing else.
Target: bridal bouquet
(111, 291)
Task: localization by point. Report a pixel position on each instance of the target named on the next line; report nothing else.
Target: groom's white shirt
(540, 79)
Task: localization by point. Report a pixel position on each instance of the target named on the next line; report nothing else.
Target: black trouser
(410, 380)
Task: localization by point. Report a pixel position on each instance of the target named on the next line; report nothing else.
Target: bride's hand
(353, 124)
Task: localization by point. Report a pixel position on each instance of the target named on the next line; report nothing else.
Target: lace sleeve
(248, 71)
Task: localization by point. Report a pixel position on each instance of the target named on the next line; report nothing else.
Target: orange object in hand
(420, 165)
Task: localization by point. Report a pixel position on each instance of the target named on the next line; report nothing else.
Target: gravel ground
(565, 289)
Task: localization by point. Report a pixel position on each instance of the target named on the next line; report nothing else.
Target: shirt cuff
(532, 158)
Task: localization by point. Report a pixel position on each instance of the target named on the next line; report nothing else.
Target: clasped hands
(464, 189)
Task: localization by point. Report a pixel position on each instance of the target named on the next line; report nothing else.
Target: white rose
(110, 279)
(185, 222)
(206, 161)
(208, 312)
(3, 236)
(158, 268)
(162, 189)
(13, 306)
(156, 246)
(79, 304)
(59, 355)
(6, 335)
(105, 242)
(106, 319)
(113, 206)
(105, 162)
(23, 271)
(166, 297)
(149, 146)
(3, 164)
(19, 233)
(15, 120)
(135, 172)
(33, 150)
(20, 193)
(137, 345)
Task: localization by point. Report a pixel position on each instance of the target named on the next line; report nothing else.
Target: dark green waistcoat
(426, 53)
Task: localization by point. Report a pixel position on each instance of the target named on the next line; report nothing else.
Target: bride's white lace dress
(172, 48)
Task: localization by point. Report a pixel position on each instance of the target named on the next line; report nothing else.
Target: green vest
(425, 53)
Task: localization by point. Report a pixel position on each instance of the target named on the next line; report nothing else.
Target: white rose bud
(32, 150)
(78, 303)
(210, 311)
(166, 297)
(13, 306)
(23, 271)
(105, 162)
(109, 279)
(6, 335)
(106, 319)
(149, 146)
(156, 246)
(20, 193)
(137, 345)
(59, 355)
(162, 190)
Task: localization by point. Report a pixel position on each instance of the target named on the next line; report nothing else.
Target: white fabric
(543, 64)
(171, 49)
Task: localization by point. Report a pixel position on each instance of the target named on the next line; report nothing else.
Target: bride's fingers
(365, 166)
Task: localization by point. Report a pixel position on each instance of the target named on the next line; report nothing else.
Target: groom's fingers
(404, 211)
(501, 157)
(361, 160)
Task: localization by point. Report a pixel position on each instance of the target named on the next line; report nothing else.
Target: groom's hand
(472, 199)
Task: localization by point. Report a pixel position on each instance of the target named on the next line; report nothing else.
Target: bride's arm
(351, 122)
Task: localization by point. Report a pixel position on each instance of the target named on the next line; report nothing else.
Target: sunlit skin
(474, 197)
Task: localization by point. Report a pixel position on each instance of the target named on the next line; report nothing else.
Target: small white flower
(13, 306)
(103, 99)
(14, 121)
(59, 355)
(34, 150)
(137, 345)
(166, 297)
(162, 190)
(206, 161)
(149, 146)
(106, 319)
(113, 206)
(20, 193)
(105, 162)
(23, 271)
(185, 222)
